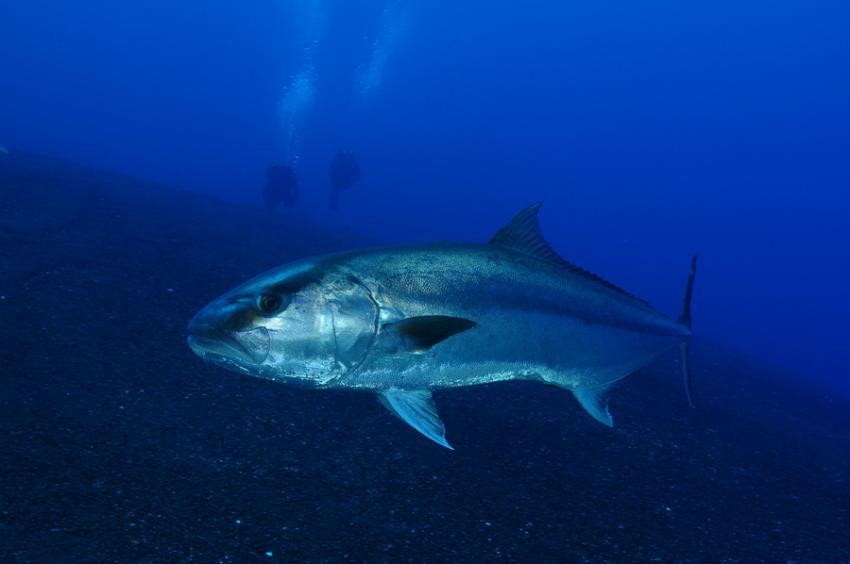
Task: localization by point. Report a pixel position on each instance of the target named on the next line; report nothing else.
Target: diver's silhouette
(281, 186)
(344, 172)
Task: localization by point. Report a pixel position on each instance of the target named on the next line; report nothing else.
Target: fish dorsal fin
(523, 235)
(416, 408)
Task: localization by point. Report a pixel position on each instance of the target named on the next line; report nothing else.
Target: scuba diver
(344, 172)
(281, 186)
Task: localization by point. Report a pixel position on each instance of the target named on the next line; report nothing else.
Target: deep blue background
(649, 130)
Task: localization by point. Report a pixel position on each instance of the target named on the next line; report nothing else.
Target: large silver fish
(404, 321)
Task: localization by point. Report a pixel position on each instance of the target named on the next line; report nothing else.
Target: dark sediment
(118, 444)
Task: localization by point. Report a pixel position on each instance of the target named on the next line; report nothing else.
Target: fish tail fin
(685, 319)
(685, 316)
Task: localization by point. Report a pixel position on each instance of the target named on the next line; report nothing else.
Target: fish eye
(271, 303)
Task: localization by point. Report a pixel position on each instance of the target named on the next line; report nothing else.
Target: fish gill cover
(155, 156)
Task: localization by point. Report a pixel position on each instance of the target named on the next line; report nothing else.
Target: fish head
(302, 323)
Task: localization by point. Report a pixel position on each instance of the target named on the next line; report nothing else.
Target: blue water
(648, 130)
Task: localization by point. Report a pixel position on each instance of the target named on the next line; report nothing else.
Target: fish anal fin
(416, 408)
(595, 402)
(418, 334)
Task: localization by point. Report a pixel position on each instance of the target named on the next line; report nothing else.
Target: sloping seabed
(119, 444)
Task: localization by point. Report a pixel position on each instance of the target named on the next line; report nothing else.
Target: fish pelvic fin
(685, 319)
(595, 402)
(416, 408)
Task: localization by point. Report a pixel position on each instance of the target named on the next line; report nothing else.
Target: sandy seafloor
(118, 444)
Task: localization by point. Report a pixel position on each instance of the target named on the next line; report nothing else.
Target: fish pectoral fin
(418, 334)
(595, 402)
(416, 408)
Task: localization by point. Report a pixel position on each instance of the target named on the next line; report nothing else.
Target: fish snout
(210, 337)
(203, 327)
(203, 336)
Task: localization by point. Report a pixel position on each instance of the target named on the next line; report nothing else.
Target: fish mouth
(242, 348)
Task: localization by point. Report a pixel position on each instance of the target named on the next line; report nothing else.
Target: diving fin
(595, 402)
(416, 408)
